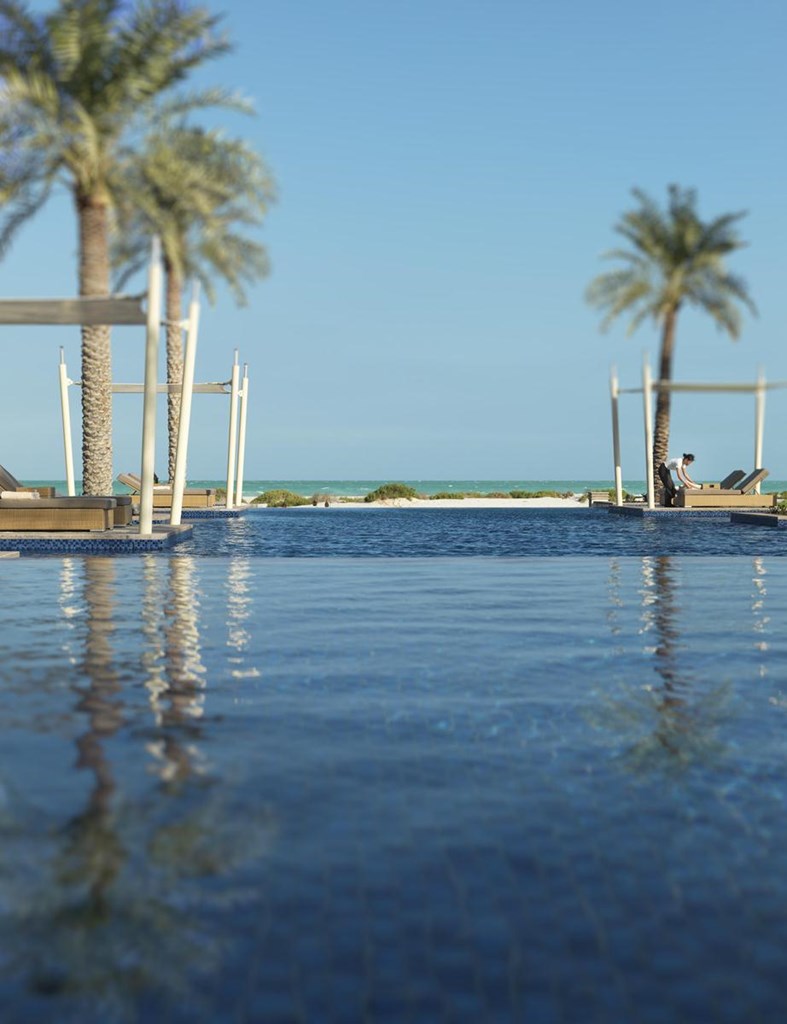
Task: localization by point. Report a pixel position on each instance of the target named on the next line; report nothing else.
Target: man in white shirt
(678, 466)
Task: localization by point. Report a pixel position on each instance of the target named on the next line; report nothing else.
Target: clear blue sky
(449, 173)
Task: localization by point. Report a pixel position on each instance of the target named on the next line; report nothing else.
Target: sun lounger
(193, 497)
(731, 480)
(8, 482)
(20, 514)
(121, 512)
(740, 496)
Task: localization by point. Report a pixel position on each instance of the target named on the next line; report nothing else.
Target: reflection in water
(239, 603)
(761, 619)
(112, 901)
(676, 716)
(93, 851)
(70, 608)
(176, 679)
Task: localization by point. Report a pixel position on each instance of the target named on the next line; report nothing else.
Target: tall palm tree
(195, 189)
(675, 259)
(71, 84)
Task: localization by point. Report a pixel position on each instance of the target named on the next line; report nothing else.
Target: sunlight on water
(340, 789)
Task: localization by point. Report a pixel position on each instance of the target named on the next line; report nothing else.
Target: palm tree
(193, 188)
(675, 259)
(71, 84)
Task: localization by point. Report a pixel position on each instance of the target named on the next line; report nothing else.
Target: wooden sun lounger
(8, 482)
(740, 496)
(122, 513)
(56, 514)
(193, 497)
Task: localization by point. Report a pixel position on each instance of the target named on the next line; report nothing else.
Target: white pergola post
(759, 422)
(647, 406)
(244, 405)
(151, 390)
(184, 422)
(613, 394)
(65, 412)
(234, 386)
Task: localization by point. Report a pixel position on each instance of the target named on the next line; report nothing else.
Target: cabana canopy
(112, 310)
(86, 312)
(237, 389)
(757, 388)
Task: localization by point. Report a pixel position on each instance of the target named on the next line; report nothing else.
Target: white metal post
(613, 393)
(232, 431)
(184, 423)
(66, 417)
(151, 381)
(759, 422)
(647, 407)
(244, 405)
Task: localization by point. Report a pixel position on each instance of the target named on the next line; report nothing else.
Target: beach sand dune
(463, 503)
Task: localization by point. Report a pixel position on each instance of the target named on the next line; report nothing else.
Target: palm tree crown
(196, 189)
(71, 84)
(674, 259)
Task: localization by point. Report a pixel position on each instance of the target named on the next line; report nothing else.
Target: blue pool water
(487, 532)
(254, 786)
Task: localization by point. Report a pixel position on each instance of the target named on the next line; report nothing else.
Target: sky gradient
(449, 174)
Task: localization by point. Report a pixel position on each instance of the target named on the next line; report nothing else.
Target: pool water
(351, 788)
(491, 532)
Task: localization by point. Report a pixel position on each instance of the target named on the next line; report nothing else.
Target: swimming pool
(484, 532)
(416, 788)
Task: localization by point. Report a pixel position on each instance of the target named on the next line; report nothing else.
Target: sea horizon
(360, 487)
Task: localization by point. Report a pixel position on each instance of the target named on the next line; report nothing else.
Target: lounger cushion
(25, 501)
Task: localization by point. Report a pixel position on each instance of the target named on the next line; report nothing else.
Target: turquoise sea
(347, 488)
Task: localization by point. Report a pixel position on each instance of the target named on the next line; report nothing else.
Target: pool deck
(121, 540)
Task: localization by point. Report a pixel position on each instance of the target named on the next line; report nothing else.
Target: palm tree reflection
(176, 675)
(676, 715)
(126, 908)
(93, 851)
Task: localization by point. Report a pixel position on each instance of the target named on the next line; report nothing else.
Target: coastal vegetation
(673, 259)
(281, 498)
(393, 490)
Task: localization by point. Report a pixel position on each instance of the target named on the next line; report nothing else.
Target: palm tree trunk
(174, 359)
(663, 399)
(96, 348)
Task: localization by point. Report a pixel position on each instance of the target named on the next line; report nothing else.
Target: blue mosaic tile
(92, 545)
(642, 512)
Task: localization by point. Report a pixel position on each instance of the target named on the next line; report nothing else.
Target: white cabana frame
(110, 310)
(187, 388)
(758, 388)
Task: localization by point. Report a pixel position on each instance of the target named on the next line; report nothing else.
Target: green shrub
(280, 499)
(392, 491)
(497, 494)
(443, 495)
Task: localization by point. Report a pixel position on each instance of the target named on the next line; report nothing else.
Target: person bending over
(678, 466)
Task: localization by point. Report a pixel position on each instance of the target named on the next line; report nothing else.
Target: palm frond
(195, 188)
(673, 256)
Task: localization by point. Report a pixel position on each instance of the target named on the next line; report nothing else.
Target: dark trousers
(670, 490)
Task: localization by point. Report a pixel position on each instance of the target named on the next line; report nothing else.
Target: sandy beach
(459, 503)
